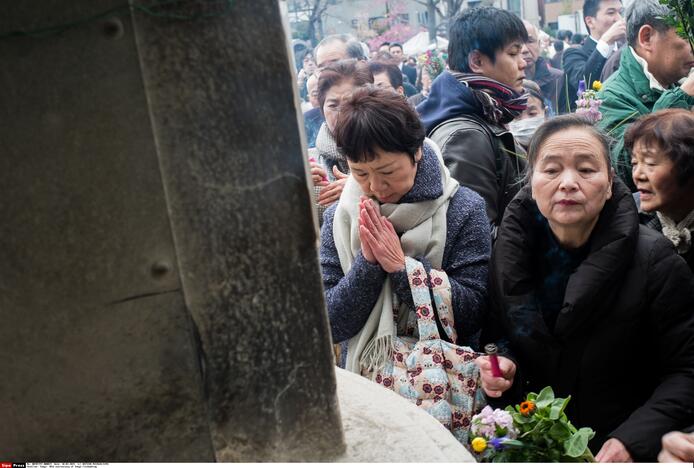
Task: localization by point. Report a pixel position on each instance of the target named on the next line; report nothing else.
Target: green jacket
(626, 96)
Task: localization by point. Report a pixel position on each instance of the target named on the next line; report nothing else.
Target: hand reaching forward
(380, 237)
(613, 451)
(678, 447)
(331, 192)
(495, 386)
(318, 174)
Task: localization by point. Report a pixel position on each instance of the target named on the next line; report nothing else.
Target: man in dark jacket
(647, 79)
(556, 60)
(399, 57)
(468, 106)
(548, 78)
(607, 28)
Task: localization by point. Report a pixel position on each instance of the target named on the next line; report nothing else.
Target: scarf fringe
(377, 353)
(678, 233)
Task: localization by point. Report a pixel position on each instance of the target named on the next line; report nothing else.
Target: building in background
(367, 19)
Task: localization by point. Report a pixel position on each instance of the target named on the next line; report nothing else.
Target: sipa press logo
(12, 465)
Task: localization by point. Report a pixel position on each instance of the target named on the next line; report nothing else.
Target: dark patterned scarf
(500, 104)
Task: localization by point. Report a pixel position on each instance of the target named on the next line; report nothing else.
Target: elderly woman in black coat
(589, 301)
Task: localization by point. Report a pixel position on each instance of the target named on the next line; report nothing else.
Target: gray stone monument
(160, 293)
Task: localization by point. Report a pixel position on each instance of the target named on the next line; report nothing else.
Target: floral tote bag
(440, 377)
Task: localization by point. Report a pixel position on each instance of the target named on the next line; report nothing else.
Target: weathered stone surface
(142, 202)
(97, 355)
(222, 103)
(382, 427)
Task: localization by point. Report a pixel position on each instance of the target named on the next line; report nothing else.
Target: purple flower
(488, 421)
(496, 442)
(581, 87)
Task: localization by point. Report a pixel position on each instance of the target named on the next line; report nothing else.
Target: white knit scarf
(678, 233)
(423, 233)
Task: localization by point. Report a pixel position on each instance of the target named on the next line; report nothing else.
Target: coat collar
(632, 72)
(612, 247)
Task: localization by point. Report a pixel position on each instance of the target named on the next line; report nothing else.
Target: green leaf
(559, 431)
(532, 396)
(575, 445)
(513, 443)
(557, 408)
(520, 419)
(545, 398)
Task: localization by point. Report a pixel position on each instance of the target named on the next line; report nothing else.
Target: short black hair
(564, 34)
(374, 118)
(393, 72)
(558, 46)
(486, 29)
(395, 44)
(577, 38)
(590, 8)
(384, 44)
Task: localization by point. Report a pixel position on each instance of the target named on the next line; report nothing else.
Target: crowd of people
(564, 241)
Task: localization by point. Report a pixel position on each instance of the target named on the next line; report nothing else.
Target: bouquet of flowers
(432, 63)
(588, 103)
(537, 430)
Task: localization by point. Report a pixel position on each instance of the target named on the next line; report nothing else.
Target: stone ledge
(381, 426)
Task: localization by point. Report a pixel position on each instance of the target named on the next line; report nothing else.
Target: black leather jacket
(483, 157)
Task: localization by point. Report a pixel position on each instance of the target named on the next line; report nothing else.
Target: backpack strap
(493, 141)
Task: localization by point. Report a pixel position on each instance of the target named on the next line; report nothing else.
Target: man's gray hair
(354, 49)
(645, 12)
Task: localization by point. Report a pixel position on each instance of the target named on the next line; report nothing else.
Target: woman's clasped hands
(379, 241)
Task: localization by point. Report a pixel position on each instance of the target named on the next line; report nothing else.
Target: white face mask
(523, 130)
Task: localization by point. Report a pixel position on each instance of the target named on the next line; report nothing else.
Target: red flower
(437, 358)
(379, 378)
(438, 281)
(426, 350)
(427, 388)
(419, 402)
(399, 357)
(438, 390)
(447, 364)
(387, 382)
(416, 281)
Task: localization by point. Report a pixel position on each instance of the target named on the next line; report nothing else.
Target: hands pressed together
(379, 241)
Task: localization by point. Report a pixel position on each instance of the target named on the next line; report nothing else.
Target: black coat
(410, 73)
(579, 63)
(623, 342)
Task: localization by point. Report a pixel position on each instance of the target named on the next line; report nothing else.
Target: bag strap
(428, 316)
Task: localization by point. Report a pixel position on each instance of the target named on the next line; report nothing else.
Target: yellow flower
(479, 444)
(597, 86)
